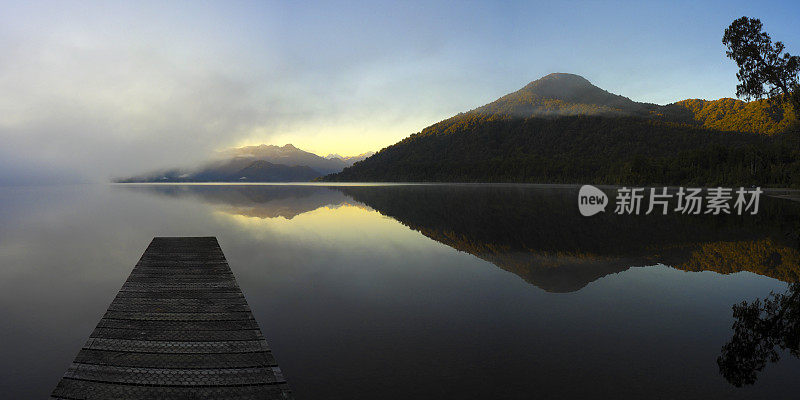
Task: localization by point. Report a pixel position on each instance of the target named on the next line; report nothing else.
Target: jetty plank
(180, 328)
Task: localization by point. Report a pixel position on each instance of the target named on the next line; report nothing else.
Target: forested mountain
(263, 163)
(289, 155)
(238, 169)
(731, 115)
(558, 95)
(563, 129)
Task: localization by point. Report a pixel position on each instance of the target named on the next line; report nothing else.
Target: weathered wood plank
(175, 376)
(178, 325)
(179, 308)
(195, 302)
(178, 294)
(173, 336)
(179, 328)
(77, 389)
(154, 346)
(176, 360)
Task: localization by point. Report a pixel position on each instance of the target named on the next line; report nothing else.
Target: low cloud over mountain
(263, 163)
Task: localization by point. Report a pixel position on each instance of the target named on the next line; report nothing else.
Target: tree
(765, 70)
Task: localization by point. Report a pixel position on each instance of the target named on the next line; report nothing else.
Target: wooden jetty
(180, 328)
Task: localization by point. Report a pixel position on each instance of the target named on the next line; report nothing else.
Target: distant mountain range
(263, 163)
(350, 160)
(563, 129)
(557, 129)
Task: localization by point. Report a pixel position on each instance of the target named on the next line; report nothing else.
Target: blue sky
(98, 89)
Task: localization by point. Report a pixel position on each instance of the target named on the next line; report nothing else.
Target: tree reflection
(538, 234)
(762, 329)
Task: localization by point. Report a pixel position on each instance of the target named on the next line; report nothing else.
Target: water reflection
(762, 329)
(357, 300)
(536, 233)
(253, 201)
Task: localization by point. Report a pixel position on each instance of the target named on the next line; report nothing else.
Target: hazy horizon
(97, 90)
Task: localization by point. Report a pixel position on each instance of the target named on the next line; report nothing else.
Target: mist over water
(423, 291)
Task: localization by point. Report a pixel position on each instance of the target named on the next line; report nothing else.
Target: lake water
(424, 291)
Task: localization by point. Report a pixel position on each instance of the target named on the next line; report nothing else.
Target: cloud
(101, 108)
(97, 101)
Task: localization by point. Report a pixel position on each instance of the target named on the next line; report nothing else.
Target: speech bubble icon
(591, 200)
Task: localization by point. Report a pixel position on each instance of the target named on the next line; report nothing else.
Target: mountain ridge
(564, 94)
(288, 155)
(566, 89)
(261, 163)
(563, 129)
(239, 169)
(350, 160)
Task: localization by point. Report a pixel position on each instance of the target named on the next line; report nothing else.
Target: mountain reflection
(537, 232)
(287, 201)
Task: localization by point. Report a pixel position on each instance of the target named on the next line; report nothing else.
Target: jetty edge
(179, 328)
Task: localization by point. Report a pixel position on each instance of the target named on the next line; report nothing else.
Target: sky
(95, 90)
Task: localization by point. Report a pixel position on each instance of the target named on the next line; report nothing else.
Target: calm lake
(419, 291)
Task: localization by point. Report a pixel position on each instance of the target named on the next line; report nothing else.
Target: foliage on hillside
(581, 149)
(563, 129)
(735, 115)
(763, 257)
